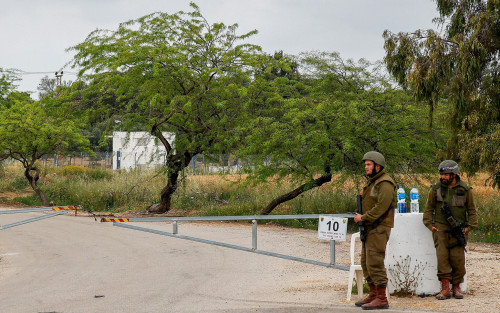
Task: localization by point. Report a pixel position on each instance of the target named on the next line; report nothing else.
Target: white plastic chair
(354, 269)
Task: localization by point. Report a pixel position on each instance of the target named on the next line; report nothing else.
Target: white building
(138, 150)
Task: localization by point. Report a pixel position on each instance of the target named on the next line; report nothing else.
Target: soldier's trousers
(373, 255)
(450, 262)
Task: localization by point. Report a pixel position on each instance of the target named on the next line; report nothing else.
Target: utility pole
(58, 80)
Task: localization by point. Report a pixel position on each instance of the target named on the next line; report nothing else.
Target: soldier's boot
(380, 302)
(371, 296)
(445, 290)
(457, 292)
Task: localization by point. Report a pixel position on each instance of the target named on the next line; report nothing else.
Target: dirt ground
(483, 270)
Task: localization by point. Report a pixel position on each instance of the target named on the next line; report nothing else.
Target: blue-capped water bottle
(414, 206)
(401, 200)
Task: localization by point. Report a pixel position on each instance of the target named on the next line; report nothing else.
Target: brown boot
(445, 290)
(380, 302)
(371, 296)
(457, 292)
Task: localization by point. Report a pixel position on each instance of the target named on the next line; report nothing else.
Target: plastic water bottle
(414, 207)
(401, 200)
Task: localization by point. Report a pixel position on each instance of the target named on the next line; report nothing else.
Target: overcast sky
(34, 34)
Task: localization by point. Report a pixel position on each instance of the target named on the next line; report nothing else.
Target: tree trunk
(175, 167)
(296, 192)
(33, 183)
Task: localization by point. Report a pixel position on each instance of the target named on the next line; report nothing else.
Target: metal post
(174, 228)
(332, 252)
(254, 235)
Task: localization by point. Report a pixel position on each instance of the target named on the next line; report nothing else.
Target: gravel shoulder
(483, 269)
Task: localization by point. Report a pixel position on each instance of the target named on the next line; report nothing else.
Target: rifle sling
(448, 214)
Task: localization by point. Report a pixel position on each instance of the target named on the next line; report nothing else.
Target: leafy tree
(326, 120)
(172, 73)
(31, 129)
(7, 79)
(461, 64)
(46, 86)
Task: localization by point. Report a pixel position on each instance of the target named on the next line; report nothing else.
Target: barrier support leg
(332, 252)
(254, 235)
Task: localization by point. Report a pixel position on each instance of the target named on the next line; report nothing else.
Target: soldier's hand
(434, 229)
(357, 218)
(466, 229)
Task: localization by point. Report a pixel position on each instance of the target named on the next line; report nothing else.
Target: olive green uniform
(450, 262)
(378, 216)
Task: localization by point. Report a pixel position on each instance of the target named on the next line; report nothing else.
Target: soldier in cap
(450, 214)
(378, 202)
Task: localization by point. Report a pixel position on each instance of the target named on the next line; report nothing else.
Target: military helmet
(375, 157)
(449, 166)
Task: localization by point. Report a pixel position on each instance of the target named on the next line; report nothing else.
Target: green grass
(485, 235)
(32, 200)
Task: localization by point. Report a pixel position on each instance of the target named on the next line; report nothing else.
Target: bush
(90, 173)
(74, 170)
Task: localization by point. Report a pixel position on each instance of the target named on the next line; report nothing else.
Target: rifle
(361, 225)
(457, 229)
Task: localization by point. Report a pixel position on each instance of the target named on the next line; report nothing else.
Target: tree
(461, 64)
(173, 73)
(323, 122)
(30, 130)
(7, 79)
(46, 86)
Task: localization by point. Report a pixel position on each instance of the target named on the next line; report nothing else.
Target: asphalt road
(74, 264)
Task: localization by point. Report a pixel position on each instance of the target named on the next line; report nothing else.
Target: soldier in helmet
(450, 214)
(378, 202)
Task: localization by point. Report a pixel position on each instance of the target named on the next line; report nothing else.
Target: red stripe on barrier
(116, 220)
(69, 207)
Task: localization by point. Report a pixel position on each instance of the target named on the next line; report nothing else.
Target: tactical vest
(456, 197)
(370, 196)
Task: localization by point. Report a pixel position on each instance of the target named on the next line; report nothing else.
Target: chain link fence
(199, 165)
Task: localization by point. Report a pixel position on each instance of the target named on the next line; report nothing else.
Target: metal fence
(199, 165)
(100, 160)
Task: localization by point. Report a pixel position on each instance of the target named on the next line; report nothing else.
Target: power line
(21, 72)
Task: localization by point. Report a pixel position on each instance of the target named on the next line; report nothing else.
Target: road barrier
(32, 220)
(50, 208)
(115, 220)
(253, 218)
(58, 211)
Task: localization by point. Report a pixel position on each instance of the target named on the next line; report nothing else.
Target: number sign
(332, 228)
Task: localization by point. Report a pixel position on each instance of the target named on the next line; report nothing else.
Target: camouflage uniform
(451, 262)
(378, 216)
